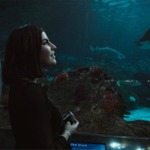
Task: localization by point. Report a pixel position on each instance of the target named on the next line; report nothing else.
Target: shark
(143, 77)
(106, 53)
(144, 42)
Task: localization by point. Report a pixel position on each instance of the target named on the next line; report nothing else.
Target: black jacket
(35, 121)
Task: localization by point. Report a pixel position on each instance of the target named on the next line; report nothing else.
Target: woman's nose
(53, 46)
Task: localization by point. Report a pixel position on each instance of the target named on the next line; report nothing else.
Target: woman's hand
(71, 128)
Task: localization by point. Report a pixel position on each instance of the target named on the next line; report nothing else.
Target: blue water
(138, 114)
(76, 25)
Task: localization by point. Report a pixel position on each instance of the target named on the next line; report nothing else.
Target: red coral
(80, 94)
(98, 74)
(61, 77)
(110, 94)
(109, 105)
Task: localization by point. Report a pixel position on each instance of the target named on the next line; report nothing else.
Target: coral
(80, 94)
(97, 74)
(61, 77)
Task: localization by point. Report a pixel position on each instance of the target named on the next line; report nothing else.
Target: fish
(144, 42)
(126, 90)
(106, 53)
(143, 77)
(132, 83)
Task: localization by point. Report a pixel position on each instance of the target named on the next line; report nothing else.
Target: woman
(35, 121)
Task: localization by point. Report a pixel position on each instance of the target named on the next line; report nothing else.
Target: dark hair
(22, 57)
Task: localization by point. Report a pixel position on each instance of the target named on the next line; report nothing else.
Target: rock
(92, 96)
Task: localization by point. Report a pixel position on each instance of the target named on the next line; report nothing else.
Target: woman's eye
(45, 42)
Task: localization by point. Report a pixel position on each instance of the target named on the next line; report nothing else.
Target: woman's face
(47, 56)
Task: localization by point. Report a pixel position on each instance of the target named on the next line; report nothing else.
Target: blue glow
(133, 99)
(86, 146)
(122, 3)
(138, 114)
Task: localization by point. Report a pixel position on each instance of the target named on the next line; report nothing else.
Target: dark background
(74, 25)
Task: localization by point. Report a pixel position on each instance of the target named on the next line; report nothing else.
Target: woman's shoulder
(35, 91)
(28, 90)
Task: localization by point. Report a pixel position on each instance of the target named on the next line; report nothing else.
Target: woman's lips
(52, 55)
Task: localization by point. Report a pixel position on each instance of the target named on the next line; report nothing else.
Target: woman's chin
(53, 62)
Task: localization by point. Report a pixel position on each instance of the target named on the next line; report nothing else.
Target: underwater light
(140, 148)
(115, 145)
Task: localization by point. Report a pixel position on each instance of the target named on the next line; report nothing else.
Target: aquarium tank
(102, 73)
